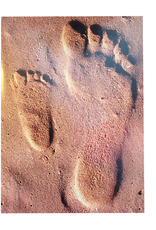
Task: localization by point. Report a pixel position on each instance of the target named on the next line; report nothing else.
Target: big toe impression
(74, 38)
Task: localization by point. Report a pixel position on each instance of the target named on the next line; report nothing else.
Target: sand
(72, 115)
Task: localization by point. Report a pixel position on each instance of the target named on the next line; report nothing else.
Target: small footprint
(32, 93)
(100, 68)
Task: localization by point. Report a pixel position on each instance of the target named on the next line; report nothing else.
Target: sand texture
(72, 115)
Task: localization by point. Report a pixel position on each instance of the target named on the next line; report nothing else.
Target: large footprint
(32, 94)
(110, 98)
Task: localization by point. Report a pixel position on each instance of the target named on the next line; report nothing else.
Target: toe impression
(74, 38)
(95, 36)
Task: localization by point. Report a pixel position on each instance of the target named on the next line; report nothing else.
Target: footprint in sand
(32, 94)
(100, 73)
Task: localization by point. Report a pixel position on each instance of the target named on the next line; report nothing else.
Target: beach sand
(72, 115)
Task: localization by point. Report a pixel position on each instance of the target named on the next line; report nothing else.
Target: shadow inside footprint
(113, 35)
(63, 199)
(132, 60)
(109, 62)
(47, 79)
(134, 90)
(119, 176)
(79, 27)
(22, 72)
(97, 30)
(124, 47)
(120, 70)
(51, 131)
